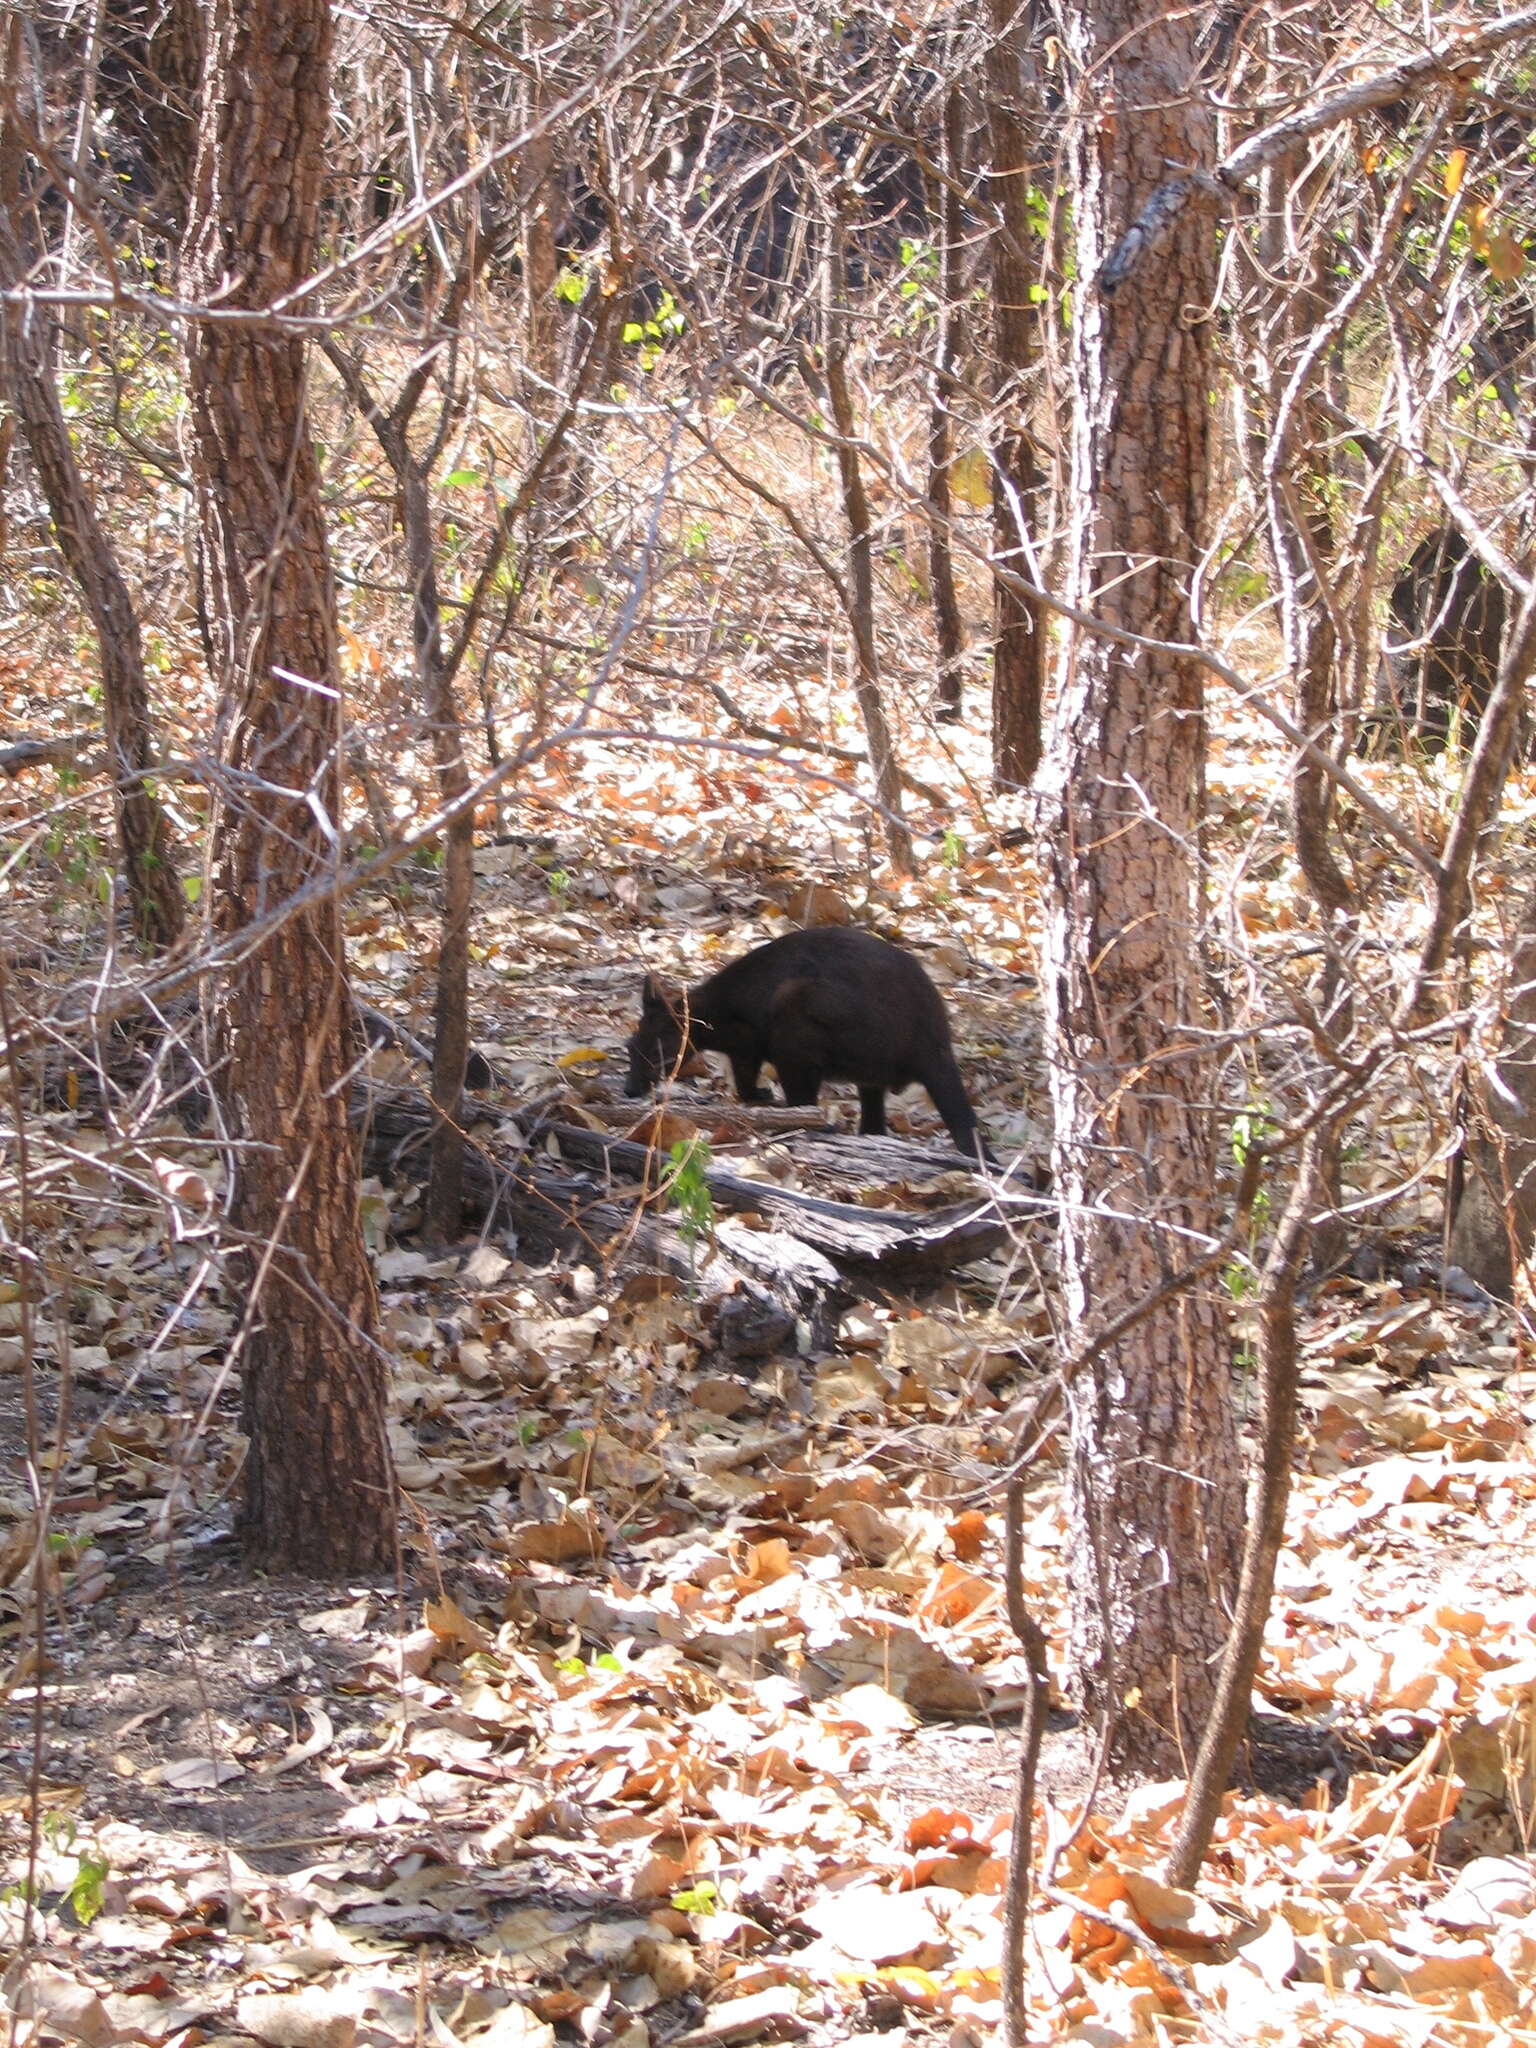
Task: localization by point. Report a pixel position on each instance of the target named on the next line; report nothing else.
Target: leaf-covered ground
(692, 1715)
(704, 1727)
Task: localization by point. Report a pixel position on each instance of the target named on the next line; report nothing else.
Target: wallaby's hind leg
(801, 1085)
(872, 1112)
(744, 1073)
(947, 1089)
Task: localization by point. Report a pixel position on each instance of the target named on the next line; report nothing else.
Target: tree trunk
(450, 1031)
(861, 567)
(26, 368)
(434, 682)
(1288, 460)
(319, 1485)
(543, 207)
(947, 215)
(1019, 645)
(1492, 1192)
(1156, 1493)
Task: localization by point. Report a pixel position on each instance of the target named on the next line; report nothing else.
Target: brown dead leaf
(811, 903)
(184, 1185)
(661, 1129)
(605, 1460)
(1373, 1804)
(515, 2026)
(953, 1595)
(56, 2001)
(1487, 1890)
(340, 1624)
(320, 1737)
(942, 1827)
(774, 2012)
(850, 1384)
(574, 1536)
(873, 1534)
(765, 1563)
(195, 1773)
(716, 1394)
(890, 1652)
(975, 1873)
(453, 1627)
(1179, 1919)
(296, 2019)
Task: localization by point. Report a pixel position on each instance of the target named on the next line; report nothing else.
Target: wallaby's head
(659, 1044)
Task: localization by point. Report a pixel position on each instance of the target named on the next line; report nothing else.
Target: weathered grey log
(82, 753)
(893, 1243)
(754, 1119)
(769, 1291)
(888, 1161)
(510, 1179)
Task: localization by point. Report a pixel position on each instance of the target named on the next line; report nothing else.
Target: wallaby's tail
(953, 1104)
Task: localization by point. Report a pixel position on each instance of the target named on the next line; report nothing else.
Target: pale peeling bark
(947, 215)
(1021, 644)
(319, 1484)
(1156, 1497)
(861, 572)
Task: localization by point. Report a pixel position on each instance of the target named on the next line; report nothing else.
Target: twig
(1266, 1516)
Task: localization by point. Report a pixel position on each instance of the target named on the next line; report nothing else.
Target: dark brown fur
(823, 1005)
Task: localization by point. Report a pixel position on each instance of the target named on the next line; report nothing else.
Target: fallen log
(911, 1159)
(738, 1119)
(585, 1204)
(70, 750)
(765, 1290)
(888, 1243)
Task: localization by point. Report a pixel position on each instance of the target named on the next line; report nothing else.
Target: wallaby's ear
(655, 994)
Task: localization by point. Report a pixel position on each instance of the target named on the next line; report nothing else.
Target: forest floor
(692, 1715)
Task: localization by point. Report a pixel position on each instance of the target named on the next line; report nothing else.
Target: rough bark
(26, 368)
(861, 569)
(1156, 1494)
(319, 1493)
(1492, 1193)
(445, 1185)
(947, 214)
(1279, 1378)
(542, 203)
(1019, 649)
(439, 704)
(1292, 463)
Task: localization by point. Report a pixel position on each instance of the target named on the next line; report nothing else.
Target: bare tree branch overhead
(1447, 62)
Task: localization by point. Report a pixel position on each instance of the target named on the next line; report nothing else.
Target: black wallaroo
(1451, 612)
(823, 1005)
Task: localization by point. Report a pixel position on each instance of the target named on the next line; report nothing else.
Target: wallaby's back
(859, 1009)
(826, 1005)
